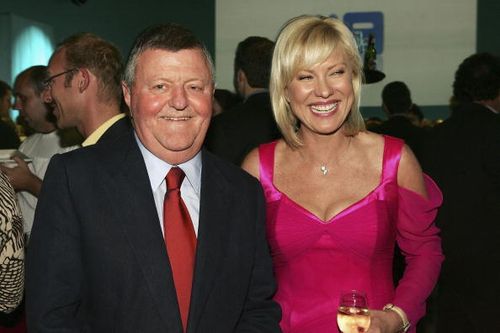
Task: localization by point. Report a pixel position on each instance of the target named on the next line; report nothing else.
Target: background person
(397, 105)
(11, 248)
(233, 134)
(26, 178)
(463, 155)
(84, 87)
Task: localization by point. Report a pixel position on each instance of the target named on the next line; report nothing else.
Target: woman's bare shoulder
(410, 174)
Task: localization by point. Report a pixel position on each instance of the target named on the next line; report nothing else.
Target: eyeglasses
(47, 83)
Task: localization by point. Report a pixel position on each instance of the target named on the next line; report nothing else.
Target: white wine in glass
(352, 314)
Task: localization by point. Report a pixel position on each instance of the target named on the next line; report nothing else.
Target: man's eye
(196, 88)
(160, 86)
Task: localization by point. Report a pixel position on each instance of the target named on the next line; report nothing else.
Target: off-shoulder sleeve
(419, 241)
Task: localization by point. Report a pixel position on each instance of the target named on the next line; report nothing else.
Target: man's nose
(47, 95)
(179, 99)
(18, 105)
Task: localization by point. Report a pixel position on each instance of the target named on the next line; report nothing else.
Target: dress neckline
(344, 211)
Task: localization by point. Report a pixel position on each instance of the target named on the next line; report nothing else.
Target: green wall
(488, 26)
(120, 22)
(117, 21)
(488, 40)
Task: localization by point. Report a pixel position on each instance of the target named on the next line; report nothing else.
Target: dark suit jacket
(8, 137)
(235, 132)
(401, 127)
(463, 157)
(116, 130)
(97, 260)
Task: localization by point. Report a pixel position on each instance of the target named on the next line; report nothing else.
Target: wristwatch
(401, 314)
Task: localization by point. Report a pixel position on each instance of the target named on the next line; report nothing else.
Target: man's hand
(21, 177)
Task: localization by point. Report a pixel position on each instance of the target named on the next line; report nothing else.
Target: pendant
(324, 169)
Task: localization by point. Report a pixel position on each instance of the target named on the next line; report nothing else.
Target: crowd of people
(141, 211)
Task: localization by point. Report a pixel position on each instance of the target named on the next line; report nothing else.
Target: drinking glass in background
(352, 314)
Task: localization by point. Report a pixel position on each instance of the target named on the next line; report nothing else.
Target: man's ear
(83, 80)
(384, 107)
(242, 78)
(126, 95)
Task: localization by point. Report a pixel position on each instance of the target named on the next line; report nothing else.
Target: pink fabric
(315, 261)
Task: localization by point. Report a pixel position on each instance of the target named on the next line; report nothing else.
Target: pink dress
(315, 261)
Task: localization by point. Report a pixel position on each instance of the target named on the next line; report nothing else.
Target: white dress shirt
(40, 147)
(190, 189)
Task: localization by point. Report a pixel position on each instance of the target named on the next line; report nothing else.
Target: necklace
(323, 167)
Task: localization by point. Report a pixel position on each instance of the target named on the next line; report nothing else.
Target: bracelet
(401, 314)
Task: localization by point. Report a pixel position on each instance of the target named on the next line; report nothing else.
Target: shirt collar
(158, 169)
(487, 106)
(490, 108)
(256, 92)
(96, 135)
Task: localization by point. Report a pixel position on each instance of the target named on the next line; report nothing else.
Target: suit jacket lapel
(212, 236)
(130, 186)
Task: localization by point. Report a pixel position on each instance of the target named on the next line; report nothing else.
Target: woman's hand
(384, 322)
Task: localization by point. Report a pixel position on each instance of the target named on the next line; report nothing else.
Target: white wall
(425, 40)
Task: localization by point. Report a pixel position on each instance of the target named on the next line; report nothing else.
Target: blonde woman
(340, 197)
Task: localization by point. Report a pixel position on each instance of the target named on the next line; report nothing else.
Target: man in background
(26, 178)
(397, 105)
(84, 87)
(234, 133)
(463, 157)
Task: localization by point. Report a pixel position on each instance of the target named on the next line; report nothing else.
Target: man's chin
(60, 123)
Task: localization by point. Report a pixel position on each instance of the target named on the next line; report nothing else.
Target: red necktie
(180, 240)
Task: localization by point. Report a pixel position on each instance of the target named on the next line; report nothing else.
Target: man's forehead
(189, 56)
(21, 82)
(57, 61)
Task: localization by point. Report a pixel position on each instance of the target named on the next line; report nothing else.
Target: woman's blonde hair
(303, 42)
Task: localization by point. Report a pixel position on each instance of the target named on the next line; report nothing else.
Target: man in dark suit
(397, 103)
(463, 157)
(100, 257)
(84, 87)
(235, 132)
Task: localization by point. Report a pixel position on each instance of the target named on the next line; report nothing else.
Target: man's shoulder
(256, 109)
(260, 102)
(471, 117)
(110, 149)
(227, 170)
(120, 127)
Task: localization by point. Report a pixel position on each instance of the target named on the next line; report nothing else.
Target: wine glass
(352, 314)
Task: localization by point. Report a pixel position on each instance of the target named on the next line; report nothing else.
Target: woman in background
(11, 248)
(338, 196)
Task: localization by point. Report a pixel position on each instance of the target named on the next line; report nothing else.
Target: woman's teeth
(324, 108)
